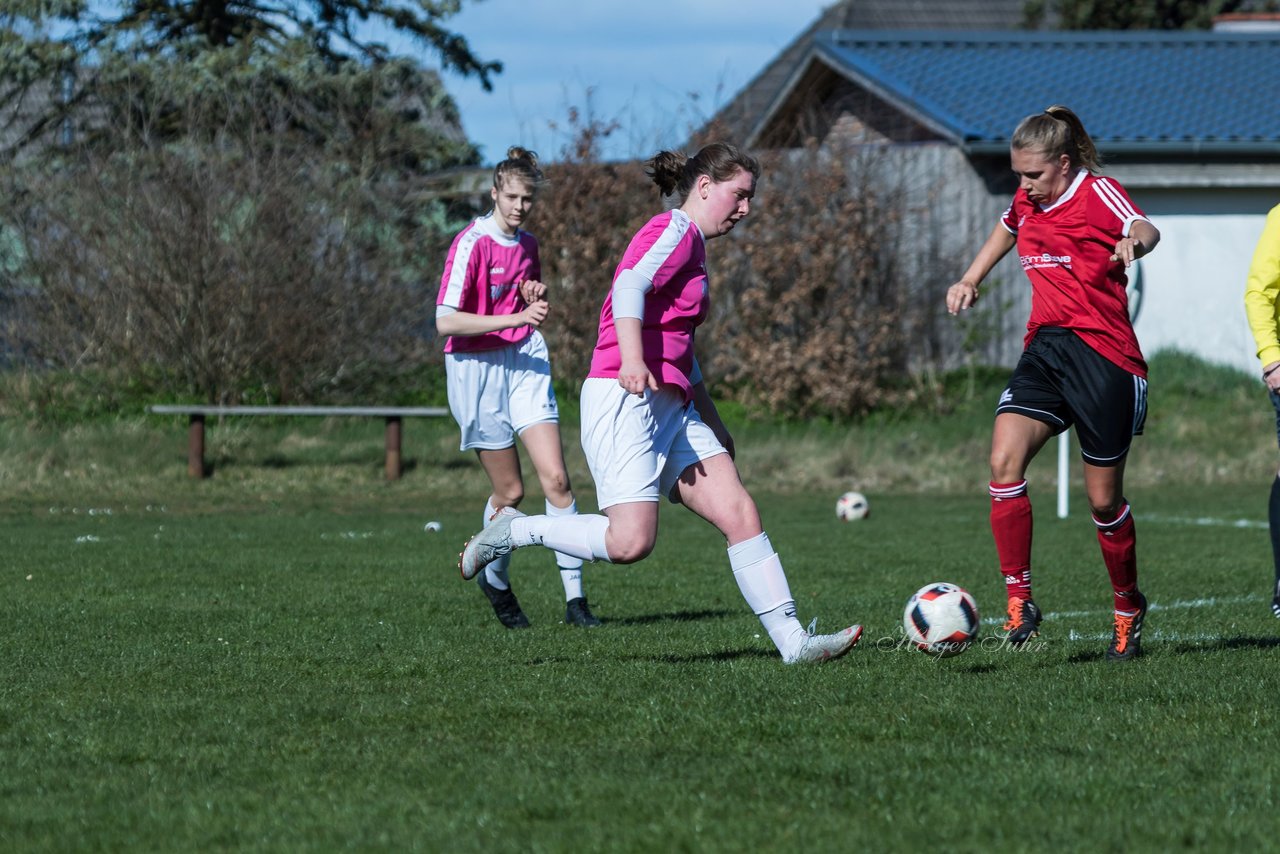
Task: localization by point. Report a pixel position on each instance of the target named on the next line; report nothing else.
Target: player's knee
(1106, 509)
(555, 485)
(1006, 467)
(509, 496)
(629, 546)
(741, 519)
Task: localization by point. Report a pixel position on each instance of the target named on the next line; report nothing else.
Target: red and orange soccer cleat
(1023, 623)
(1126, 637)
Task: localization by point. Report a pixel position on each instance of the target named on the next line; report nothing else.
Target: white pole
(1064, 446)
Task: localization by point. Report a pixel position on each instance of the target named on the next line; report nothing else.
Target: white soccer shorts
(495, 395)
(637, 447)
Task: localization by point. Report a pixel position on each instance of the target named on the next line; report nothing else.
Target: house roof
(928, 14)
(739, 115)
(1145, 92)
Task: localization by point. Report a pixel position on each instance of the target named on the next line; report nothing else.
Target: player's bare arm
(964, 294)
(467, 323)
(633, 373)
(1142, 238)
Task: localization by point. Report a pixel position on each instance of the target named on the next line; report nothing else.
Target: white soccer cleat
(818, 648)
(488, 545)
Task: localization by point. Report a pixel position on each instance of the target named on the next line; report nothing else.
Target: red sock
(1119, 542)
(1011, 527)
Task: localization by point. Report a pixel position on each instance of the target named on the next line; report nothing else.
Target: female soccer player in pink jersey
(649, 428)
(1076, 232)
(490, 304)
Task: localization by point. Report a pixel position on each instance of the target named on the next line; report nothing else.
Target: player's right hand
(1271, 376)
(961, 296)
(635, 378)
(536, 313)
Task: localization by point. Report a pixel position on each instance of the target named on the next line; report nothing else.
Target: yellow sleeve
(1262, 291)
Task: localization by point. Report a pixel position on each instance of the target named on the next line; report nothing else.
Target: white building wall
(1192, 288)
(1192, 285)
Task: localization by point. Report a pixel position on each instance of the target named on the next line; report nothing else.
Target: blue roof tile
(1131, 89)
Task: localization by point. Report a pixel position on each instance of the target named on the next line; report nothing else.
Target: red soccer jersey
(1066, 249)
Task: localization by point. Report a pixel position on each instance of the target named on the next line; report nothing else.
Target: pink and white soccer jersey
(499, 383)
(482, 275)
(1065, 250)
(669, 251)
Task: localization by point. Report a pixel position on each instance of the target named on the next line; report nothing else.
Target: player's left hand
(1128, 250)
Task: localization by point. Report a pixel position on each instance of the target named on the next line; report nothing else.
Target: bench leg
(195, 447)
(393, 447)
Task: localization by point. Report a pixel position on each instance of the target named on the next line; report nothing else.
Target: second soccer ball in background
(851, 506)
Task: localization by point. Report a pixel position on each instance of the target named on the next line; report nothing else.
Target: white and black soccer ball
(851, 506)
(941, 619)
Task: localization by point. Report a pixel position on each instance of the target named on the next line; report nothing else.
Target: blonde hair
(1055, 132)
(676, 173)
(521, 164)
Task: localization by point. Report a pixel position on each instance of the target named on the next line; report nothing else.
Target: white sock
(565, 561)
(572, 581)
(580, 535)
(758, 571)
(496, 573)
(570, 566)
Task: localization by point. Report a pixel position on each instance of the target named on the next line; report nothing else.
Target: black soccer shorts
(1063, 382)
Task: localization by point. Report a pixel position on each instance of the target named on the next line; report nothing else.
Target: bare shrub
(244, 241)
(819, 308)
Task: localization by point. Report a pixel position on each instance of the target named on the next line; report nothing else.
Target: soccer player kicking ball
(649, 427)
(490, 304)
(1076, 232)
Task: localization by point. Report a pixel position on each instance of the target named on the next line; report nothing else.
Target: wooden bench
(197, 414)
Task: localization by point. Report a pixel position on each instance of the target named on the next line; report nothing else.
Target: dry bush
(222, 278)
(818, 309)
(229, 243)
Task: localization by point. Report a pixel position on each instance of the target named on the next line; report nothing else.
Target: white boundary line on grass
(1176, 605)
(1155, 634)
(1149, 634)
(1202, 521)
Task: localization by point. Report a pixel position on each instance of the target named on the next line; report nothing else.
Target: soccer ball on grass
(941, 619)
(852, 505)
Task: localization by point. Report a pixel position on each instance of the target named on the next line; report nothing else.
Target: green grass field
(280, 678)
(281, 658)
